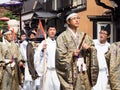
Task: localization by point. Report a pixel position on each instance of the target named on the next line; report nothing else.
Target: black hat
(22, 33)
(106, 28)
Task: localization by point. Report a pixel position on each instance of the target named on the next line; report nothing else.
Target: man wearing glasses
(102, 45)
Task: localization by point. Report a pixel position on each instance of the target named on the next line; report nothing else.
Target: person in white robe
(29, 83)
(102, 45)
(51, 81)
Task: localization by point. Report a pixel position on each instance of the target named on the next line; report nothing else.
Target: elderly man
(76, 60)
(11, 57)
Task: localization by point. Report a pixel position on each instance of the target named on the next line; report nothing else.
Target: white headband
(8, 32)
(71, 15)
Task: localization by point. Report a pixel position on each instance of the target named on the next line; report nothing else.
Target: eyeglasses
(74, 18)
(103, 33)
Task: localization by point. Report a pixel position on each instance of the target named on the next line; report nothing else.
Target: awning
(4, 19)
(4, 1)
(99, 18)
(26, 17)
(38, 14)
(10, 2)
(44, 15)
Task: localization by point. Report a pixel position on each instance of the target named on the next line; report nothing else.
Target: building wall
(92, 9)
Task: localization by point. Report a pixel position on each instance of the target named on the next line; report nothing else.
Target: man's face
(9, 37)
(103, 36)
(74, 21)
(23, 37)
(32, 36)
(51, 32)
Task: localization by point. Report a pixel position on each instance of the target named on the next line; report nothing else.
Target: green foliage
(3, 25)
(10, 15)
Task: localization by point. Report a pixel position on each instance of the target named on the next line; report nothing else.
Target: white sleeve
(38, 62)
(23, 47)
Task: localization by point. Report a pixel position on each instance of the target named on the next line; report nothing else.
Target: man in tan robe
(113, 61)
(77, 68)
(10, 58)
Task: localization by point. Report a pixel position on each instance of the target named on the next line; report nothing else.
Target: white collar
(8, 43)
(24, 42)
(98, 42)
(50, 39)
(74, 34)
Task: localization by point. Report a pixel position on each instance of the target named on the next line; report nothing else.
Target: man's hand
(44, 46)
(76, 52)
(21, 64)
(85, 46)
(10, 61)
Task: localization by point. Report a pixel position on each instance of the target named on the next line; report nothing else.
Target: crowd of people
(70, 61)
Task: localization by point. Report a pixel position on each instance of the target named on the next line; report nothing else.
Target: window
(78, 3)
(55, 5)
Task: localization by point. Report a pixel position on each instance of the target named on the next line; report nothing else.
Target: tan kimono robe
(67, 71)
(113, 60)
(10, 80)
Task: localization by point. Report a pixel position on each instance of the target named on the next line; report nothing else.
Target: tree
(3, 25)
(10, 15)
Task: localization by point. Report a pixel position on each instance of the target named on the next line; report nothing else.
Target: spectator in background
(22, 36)
(31, 35)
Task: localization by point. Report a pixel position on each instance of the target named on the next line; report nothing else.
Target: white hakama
(51, 81)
